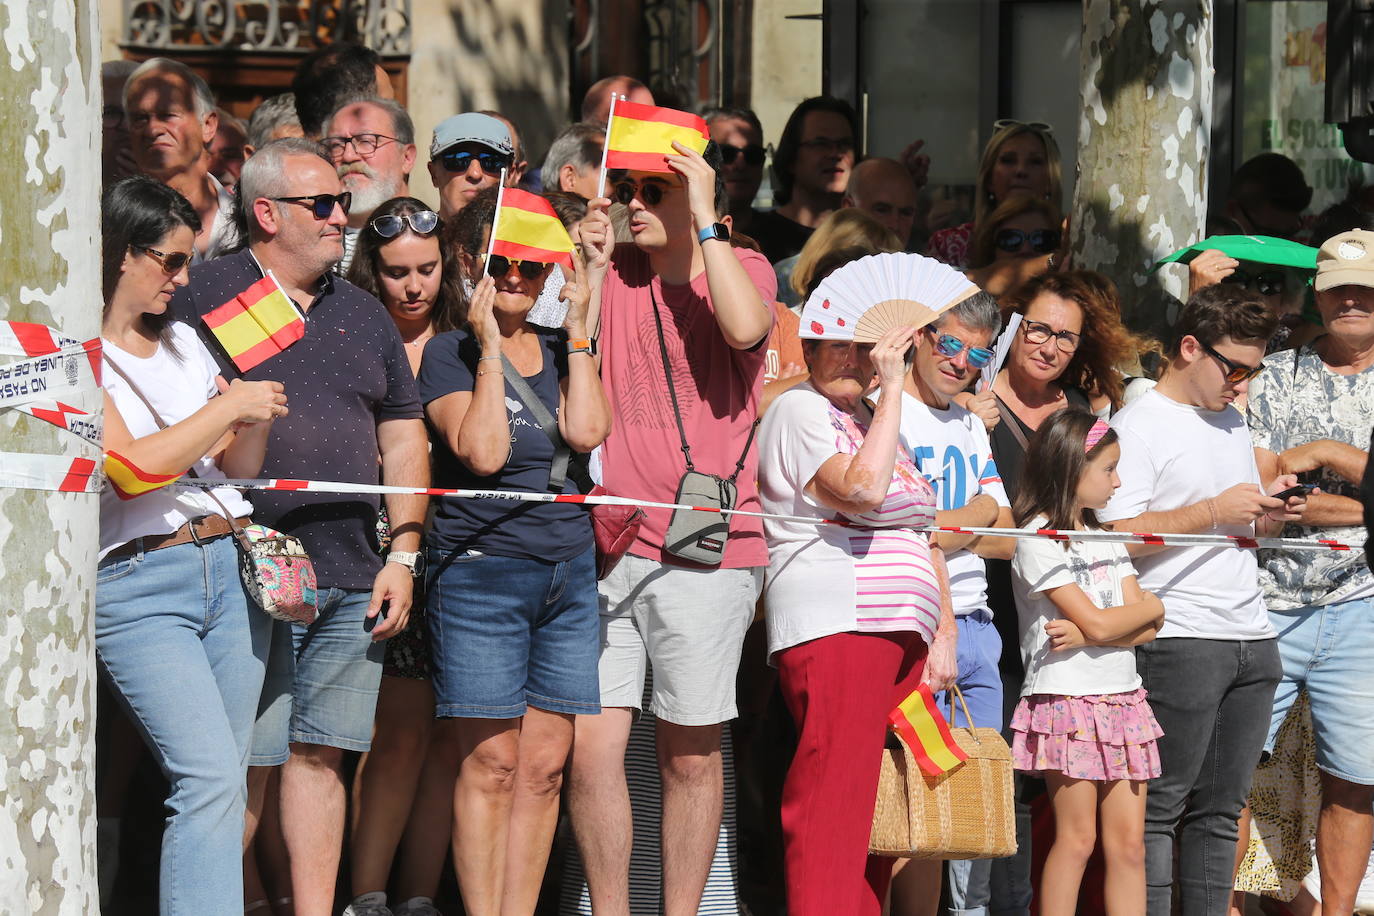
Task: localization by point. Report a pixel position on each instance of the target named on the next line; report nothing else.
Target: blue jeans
(184, 650)
(1212, 697)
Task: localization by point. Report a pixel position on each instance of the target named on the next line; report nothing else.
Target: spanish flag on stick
(919, 723)
(257, 324)
(526, 228)
(129, 480)
(639, 136)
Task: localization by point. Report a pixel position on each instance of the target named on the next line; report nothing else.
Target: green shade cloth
(1261, 249)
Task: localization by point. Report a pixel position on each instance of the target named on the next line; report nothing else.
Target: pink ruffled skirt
(1102, 737)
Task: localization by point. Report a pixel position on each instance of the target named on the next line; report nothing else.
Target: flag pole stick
(495, 218)
(601, 178)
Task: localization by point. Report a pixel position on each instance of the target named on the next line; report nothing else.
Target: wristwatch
(718, 231)
(582, 345)
(410, 559)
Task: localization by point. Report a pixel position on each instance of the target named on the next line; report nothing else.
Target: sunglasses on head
(1004, 123)
(421, 222)
(459, 161)
(322, 205)
(498, 265)
(1042, 241)
(1233, 372)
(651, 192)
(1266, 282)
(951, 346)
(753, 153)
(172, 263)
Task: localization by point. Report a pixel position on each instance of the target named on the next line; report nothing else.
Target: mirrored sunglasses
(421, 222)
(1042, 241)
(322, 205)
(491, 163)
(951, 346)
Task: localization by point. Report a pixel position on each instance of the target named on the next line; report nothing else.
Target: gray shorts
(689, 624)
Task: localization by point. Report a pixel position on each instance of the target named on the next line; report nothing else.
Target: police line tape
(281, 484)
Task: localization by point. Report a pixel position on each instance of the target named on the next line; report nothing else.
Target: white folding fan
(864, 299)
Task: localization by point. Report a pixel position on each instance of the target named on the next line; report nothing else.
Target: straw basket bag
(966, 813)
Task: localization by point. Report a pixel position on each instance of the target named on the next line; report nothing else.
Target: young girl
(1083, 723)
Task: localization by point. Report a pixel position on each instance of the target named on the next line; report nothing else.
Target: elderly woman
(512, 602)
(857, 616)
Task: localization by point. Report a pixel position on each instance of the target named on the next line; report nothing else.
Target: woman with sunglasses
(402, 793)
(1023, 230)
(513, 611)
(1020, 160)
(175, 632)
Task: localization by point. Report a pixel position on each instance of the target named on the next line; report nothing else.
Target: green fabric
(1261, 249)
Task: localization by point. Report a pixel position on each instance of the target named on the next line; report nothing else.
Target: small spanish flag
(257, 324)
(639, 136)
(528, 229)
(919, 723)
(129, 480)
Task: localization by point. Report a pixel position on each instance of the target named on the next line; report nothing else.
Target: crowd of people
(481, 688)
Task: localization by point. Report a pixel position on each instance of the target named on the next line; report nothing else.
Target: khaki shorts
(689, 624)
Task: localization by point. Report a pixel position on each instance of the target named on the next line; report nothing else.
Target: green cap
(1261, 249)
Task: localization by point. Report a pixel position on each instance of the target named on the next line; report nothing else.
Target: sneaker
(373, 904)
(417, 906)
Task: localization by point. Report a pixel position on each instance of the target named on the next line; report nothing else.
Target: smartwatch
(718, 231)
(582, 345)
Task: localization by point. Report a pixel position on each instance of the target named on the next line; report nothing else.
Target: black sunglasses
(421, 222)
(1042, 241)
(171, 263)
(1266, 282)
(651, 192)
(1235, 373)
(322, 205)
(491, 163)
(753, 153)
(498, 265)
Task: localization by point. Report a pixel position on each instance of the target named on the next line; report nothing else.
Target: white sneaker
(373, 904)
(417, 906)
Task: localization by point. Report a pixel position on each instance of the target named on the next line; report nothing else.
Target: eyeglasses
(753, 153)
(1235, 372)
(649, 191)
(421, 222)
(828, 144)
(1039, 333)
(171, 263)
(1004, 123)
(322, 205)
(1042, 241)
(498, 265)
(1266, 282)
(491, 163)
(951, 346)
(364, 144)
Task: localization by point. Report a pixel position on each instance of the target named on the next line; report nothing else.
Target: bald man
(596, 104)
(885, 190)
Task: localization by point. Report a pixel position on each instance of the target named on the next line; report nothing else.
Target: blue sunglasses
(951, 346)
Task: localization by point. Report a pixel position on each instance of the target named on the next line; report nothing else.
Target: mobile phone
(1301, 489)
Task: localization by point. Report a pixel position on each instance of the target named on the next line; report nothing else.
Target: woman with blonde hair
(846, 228)
(1021, 227)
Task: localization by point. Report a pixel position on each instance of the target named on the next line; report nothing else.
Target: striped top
(874, 576)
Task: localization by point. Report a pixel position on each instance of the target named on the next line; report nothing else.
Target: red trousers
(840, 690)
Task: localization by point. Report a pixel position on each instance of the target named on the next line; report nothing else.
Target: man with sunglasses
(950, 446)
(358, 402)
(739, 136)
(371, 142)
(679, 304)
(1187, 466)
(466, 157)
(1310, 412)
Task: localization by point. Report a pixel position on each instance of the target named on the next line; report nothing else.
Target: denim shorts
(1325, 650)
(511, 632)
(322, 681)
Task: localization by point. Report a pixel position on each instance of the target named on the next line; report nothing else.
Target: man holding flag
(357, 401)
(683, 320)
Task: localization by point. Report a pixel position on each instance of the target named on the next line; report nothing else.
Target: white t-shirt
(1041, 565)
(951, 448)
(176, 388)
(1175, 455)
(827, 579)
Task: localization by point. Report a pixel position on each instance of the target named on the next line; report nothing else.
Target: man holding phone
(1309, 414)
(1187, 465)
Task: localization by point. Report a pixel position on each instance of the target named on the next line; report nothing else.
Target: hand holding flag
(642, 137)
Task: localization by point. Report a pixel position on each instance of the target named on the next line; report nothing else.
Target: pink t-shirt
(718, 390)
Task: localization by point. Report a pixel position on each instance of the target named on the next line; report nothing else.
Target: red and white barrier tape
(281, 484)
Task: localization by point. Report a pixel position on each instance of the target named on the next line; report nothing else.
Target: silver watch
(410, 559)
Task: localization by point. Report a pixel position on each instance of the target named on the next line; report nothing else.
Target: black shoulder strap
(558, 470)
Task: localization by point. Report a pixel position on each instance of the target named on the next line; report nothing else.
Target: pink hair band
(1095, 434)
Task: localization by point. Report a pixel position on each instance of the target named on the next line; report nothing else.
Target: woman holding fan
(858, 615)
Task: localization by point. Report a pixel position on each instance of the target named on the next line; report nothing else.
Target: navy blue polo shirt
(346, 375)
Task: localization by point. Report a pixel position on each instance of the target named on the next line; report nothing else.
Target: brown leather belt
(199, 530)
